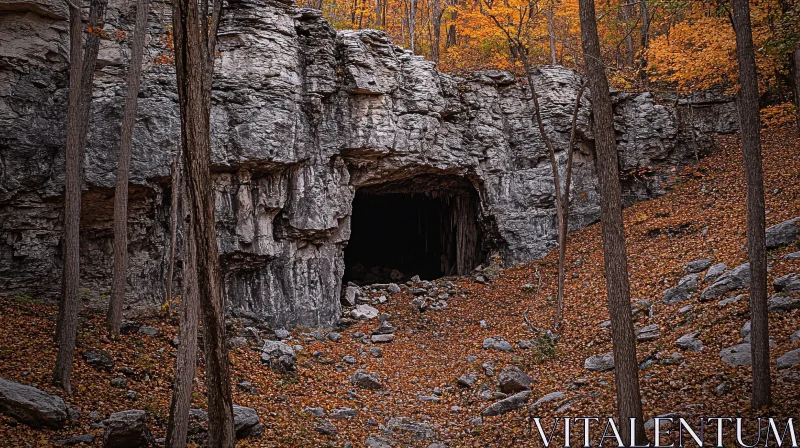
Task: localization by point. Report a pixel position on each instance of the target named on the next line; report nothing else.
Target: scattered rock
(129, 326)
(408, 428)
(366, 380)
(723, 388)
(334, 337)
(278, 355)
(127, 429)
(237, 341)
(792, 256)
(713, 273)
(698, 265)
(648, 333)
(795, 337)
(149, 331)
(120, 383)
(98, 360)
(420, 304)
(382, 338)
(246, 422)
(730, 300)
(640, 307)
(349, 296)
(316, 412)
(376, 352)
(429, 398)
(282, 333)
(780, 303)
(605, 324)
(599, 363)
(512, 380)
(384, 328)
(326, 428)
(393, 288)
(505, 405)
(738, 355)
(784, 233)
(32, 406)
(349, 359)
(468, 380)
(488, 368)
(376, 441)
(86, 439)
(497, 344)
(549, 397)
(736, 278)
(344, 413)
(364, 312)
(787, 283)
(689, 342)
(686, 286)
(789, 359)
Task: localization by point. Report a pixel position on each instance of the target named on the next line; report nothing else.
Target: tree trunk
(412, 23)
(120, 269)
(194, 63)
(795, 74)
(185, 365)
(629, 402)
(82, 63)
(625, 11)
(173, 222)
(645, 38)
(750, 124)
(551, 34)
(436, 37)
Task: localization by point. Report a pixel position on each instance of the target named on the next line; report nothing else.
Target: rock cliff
(304, 117)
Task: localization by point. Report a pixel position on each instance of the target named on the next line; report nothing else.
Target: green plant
(26, 299)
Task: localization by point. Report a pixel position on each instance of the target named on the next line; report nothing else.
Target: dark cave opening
(427, 226)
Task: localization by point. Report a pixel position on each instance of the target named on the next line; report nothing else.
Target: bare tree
(173, 222)
(120, 268)
(436, 32)
(195, 43)
(551, 32)
(795, 74)
(629, 402)
(520, 51)
(81, 74)
(750, 125)
(185, 365)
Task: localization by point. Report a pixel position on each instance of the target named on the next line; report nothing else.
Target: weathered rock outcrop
(303, 117)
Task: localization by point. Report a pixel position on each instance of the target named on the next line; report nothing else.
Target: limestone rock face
(303, 116)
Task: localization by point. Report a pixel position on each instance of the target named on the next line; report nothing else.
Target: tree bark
(750, 125)
(645, 38)
(412, 23)
(795, 74)
(551, 34)
(625, 11)
(120, 268)
(629, 402)
(195, 45)
(185, 365)
(82, 64)
(173, 222)
(436, 38)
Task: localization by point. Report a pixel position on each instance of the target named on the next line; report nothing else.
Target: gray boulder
(385, 328)
(32, 406)
(789, 359)
(98, 360)
(792, 256)
(393, 288)
(326, 428)
(497, 344)
(648, 333)
(713, 273)
(689, 342)
(736, 278)
(738, 355)
(344, 413)
(148, 331)
(505, 405)
(547, 398)
(468, 380)
(784, 233)
(246, 422)
(127, 429)
(364, 312)
(409, 428)
(381, 338)
(599, 363)
(698, 265)
(349, 296)
(683, 291)
(795, 337)
(278, 355)
(366, 380)
(86, 439)
(787, 283)
(512, 380)
(780, 303)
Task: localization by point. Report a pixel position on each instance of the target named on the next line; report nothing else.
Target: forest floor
(703, 216)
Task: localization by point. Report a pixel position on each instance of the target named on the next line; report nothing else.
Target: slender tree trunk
(756, 245)
(629, 402)
(82, 63)
(795, 74)
(551, 34)
(436, 33)
(173, 221)
(645, 39)
(625, 11)
(120, 269)
(412, 23)
(563, 225)
(185, 365)
(195, 45)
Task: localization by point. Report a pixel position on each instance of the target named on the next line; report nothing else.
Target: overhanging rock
(303, 117)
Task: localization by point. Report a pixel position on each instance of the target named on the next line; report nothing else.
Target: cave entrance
(426, 225)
